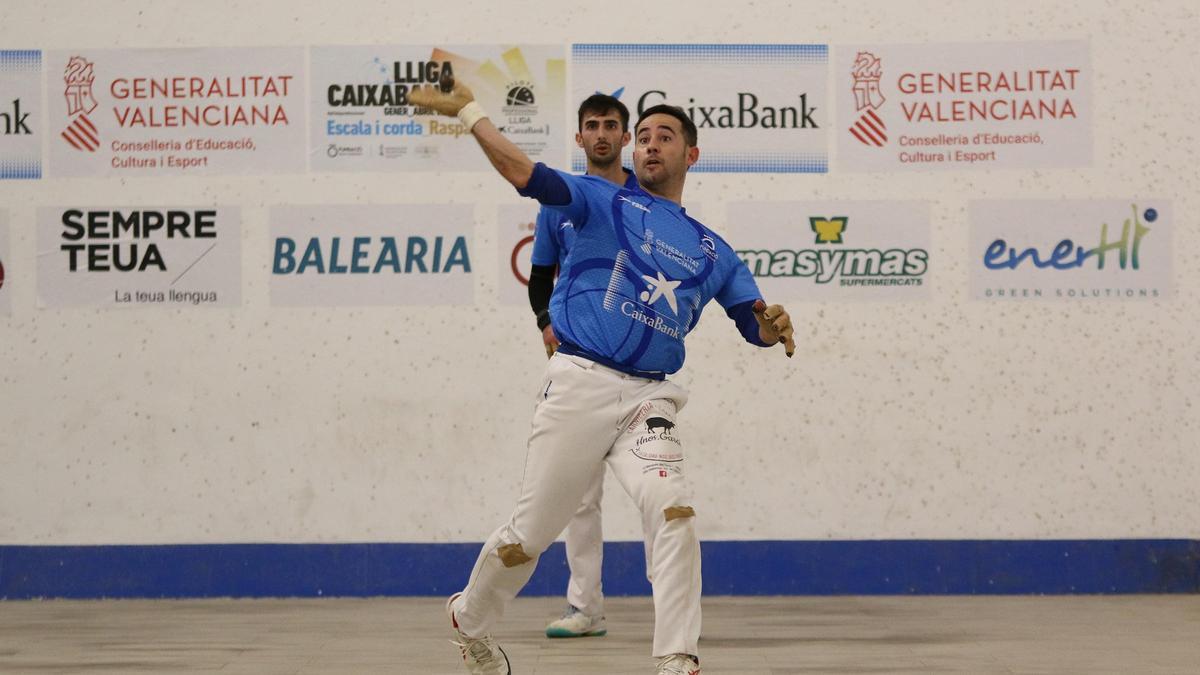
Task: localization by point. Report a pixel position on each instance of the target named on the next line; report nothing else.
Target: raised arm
(514, 165)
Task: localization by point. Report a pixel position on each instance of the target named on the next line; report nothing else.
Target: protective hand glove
(446, 102)
(774, 325)
(550, 340)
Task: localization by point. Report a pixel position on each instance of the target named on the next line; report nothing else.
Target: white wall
(949, 418)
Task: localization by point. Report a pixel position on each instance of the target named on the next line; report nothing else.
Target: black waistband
(574, 350)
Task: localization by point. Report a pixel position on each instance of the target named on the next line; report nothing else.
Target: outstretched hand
(774, 325)
(447, 98)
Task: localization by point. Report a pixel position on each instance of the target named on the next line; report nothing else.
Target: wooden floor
(1090, 634)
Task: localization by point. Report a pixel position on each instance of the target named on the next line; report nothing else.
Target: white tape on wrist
(470, 114)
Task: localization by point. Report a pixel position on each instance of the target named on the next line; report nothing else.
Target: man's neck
(672, 194)
(613, 173)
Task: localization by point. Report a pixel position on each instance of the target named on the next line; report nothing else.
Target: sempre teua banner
(103, 256)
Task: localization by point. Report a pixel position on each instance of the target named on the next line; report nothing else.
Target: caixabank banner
(835, 250)
(362, 120)
(1077, 250)
(757, 108)
(175, 112)
(963, 106)
(5, 269)
(21, 129)
(362, 255)
(139, 256)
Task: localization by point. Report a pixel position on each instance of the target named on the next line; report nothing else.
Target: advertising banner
(837, 250)
(359, 255)
(757, 108)
(5, 282)
(175, 112)
(963, 106)
(362, 121)
(1104, 249)
(515, 237)
(20, 113)
(176, 256)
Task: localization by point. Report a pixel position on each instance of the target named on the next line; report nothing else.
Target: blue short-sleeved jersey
(555, 233)
(640, 272)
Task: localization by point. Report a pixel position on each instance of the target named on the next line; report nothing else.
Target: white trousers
(586, 415)
(584, 538)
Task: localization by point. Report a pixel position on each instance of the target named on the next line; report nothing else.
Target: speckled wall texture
(936, 415)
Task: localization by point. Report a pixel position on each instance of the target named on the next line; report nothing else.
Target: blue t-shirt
(639, 274)
(555, 233)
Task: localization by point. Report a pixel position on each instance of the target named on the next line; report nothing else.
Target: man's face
(660, 152)
(601, 137)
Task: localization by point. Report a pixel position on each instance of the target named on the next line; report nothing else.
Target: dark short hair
(689, 127)
(598, 104)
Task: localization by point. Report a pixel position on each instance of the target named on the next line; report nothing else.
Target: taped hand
(447, 98)
(774, 325)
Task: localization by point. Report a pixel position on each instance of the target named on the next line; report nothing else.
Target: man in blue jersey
(603, 132)
(640, 272)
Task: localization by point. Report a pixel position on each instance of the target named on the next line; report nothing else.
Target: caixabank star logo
(869, 129)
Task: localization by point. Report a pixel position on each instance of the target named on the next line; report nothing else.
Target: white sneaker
(574, 623)
(481, 656)
(678, 664)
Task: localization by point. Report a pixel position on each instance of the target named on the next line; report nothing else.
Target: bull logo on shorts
(659, 423)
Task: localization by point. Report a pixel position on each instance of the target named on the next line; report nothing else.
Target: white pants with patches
(584, 538)
(588, 414)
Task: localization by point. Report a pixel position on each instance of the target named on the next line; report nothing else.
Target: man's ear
(693, 156)
(625, 138)
(579, 139)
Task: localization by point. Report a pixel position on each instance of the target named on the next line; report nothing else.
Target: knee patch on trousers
(512, 555)
(673, 512)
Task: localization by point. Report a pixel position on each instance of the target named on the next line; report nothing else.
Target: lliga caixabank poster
(362, 120)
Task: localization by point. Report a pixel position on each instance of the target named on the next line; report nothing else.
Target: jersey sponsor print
(636, 307)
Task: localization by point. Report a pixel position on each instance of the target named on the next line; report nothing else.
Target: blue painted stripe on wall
(730, 568)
